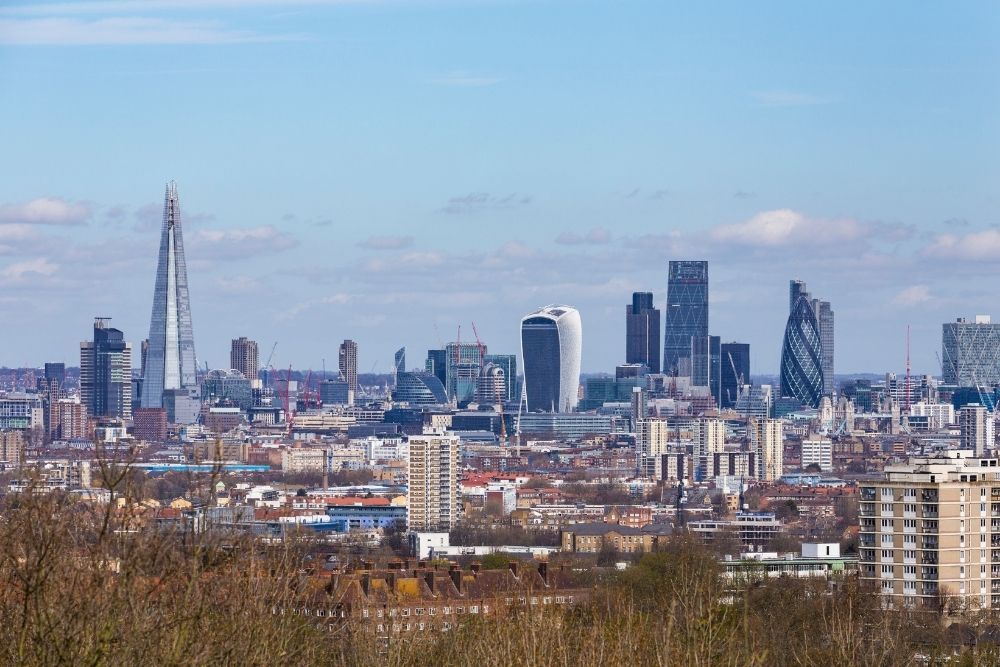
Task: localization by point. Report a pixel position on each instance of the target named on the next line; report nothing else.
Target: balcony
(866, 509)
(868, 493)
(867, 540)
(928, 496)
(929, 559)
(927, 544)
(930, 511)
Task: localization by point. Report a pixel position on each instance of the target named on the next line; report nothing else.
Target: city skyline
(573, 197)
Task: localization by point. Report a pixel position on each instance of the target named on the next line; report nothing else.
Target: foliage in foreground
(77, 587)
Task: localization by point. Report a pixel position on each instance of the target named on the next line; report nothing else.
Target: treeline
(77, 586)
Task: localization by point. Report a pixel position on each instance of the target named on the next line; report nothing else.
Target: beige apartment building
(930, 532)
(434, 482)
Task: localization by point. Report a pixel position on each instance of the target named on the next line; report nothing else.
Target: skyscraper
(463, 361)
(437, 363)
(551, 347)
(433, 482)
(642, 332)
(243, 358)
(975, 424)
(687, 314)
(106, 372)
(348, 363)
(170, 359)
(399, 361)
(970, 352)
(508, 362)
(706, 364)
(735, 371)
(801, 355)
(824, 319)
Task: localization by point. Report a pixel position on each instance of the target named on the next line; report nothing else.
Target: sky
(388, 171)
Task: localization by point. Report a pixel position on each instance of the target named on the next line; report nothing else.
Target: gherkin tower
(170, 361)
(802, 355)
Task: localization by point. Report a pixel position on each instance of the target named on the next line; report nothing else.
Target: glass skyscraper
(106, 372)
(824, 318)
(508, 362)
(970, 352)
(551, 347)
(801, 355)
(735, 371)
(170, 360)
(642, 332)
(687, 314)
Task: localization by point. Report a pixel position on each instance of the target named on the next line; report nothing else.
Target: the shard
(170, 361)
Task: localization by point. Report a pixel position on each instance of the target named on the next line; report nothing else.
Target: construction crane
(479, 344)
(906, 395)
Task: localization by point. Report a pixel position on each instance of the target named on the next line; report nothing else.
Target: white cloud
(912, 296)
(67, 31)
(984, 245)
(45, 211)
(20, 270)
(238, 243)
(785, 227)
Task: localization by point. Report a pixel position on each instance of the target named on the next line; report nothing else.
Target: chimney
(429, 578)
(366, 580)
(513, 567)
(456, 577)
(543, 570)
(390, 581)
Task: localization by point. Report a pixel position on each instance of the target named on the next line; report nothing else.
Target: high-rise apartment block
(433, 482)
(170, 365)
(642, 332)
(767, 441)
(347, 360)
(551, 347)
(970, 352)
(11, 447)
(243, 357)
(735, 372)
(976, 426)
(106, 372)
(68, 420)
(929, 535)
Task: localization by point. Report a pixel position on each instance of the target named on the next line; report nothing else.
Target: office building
(437, 363)
(735, 372)
(347, 359)
(755, 401)
(491, 386)
(551, 348)
(106, 372)
(706, 365)
(243, 357)
(419, 388)
(21, 412)
(170, 364)
(824, 322)
(433, 482)
(227, 387)
(508, 362)
(335, 392)
(687, 314)
(399, 360)
(463, 361)
(976, 427)
(570, 425)
(801, 374)
(642, 332)
(767, 441)
(927, 539)
(970, 352)
(50, 386)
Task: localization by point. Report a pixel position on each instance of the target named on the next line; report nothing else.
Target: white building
(817, 451)
(939, 415)
(551, 349)
(976, 425)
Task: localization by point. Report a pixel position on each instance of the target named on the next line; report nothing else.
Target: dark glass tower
(642, 332)
(106, 372)
(801, 355)
(551, 346)
(735, 371)
(437, 363)
(687, 314)
(170, 360)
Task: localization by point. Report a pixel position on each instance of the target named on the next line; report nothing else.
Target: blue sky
(386, 171)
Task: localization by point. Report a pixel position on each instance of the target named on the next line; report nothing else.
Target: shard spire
(170, 360)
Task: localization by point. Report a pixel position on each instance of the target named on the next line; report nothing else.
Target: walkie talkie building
(170, 361)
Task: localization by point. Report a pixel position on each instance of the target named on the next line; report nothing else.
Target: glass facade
(106, 373)
(970, 352)
(508, 362)
(687, 314)
(551, 346)
(706, 364)
(801, 360)
(437, 364)
(462, 364)
(735, 371)
(222, 386)
(642, 332)
(170, 359)
(419, 389)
